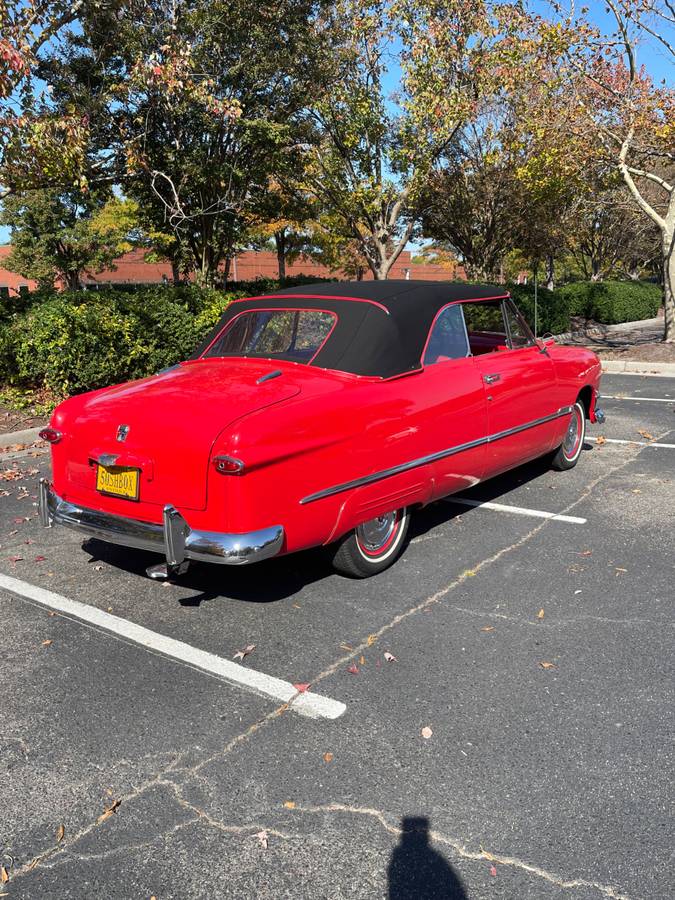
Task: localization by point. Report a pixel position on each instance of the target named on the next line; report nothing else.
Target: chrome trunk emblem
(122, 432)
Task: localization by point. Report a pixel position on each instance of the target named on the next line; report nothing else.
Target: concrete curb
(628, 367)
(27, 436)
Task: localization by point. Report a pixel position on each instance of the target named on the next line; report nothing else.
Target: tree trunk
(72, 281)
(280, 241)
(175, 272)
(669, 284)
(550, 272)
(226, 271)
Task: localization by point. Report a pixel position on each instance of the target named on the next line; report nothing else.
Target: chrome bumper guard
(174, 538)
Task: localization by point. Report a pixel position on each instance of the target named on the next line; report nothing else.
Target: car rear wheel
(569, 451)
(373, 546)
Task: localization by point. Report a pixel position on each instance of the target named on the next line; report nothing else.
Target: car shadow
(417, 871)
(279, 579)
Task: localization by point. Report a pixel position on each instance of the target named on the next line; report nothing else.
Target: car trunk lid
(168, 424)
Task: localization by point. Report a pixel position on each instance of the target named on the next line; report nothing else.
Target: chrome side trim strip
(432, 457)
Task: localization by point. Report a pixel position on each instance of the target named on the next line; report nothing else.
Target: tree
(333, 246)
(373, 153)
(631, 117)
(281, 216)
(609, 237)
(200, 97)
(37, 146)
(472, 199)
(59, 235)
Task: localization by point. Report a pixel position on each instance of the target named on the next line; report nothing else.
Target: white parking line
(649, 399)
(639, 443)
(518, 510)
(307, 704)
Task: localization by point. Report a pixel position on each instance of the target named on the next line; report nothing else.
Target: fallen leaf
(389, 656)
(108, 811)
(60, 832)
(328, 757)
(46, 643)
(600, 440)
(426, 732)
(362, 660)
(289, 804)
(296, 606)
(19, 520)
(586, 553)
(547, 665)
(241, 654)
(619, 569)
(468, 573)
(263, 838)
(302, 686)
(493, 871)
(15, 559)
(540, 614)
(51, 613)
(4, 877)
(371, 639)
(488, 628)
(645, 434)
(346, 647)
(40, 558)
(636, 491)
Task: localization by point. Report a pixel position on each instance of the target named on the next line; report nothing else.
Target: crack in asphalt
(161, 779)
(559, 623)
(462, 850)
(441, 594)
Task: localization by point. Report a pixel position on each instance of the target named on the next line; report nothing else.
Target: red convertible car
(319, 416)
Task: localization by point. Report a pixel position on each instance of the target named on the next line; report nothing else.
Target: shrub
(553, 309)
(611, 302)
(83, 340)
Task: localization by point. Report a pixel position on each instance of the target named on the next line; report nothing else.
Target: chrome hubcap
(572, 437)
(374, 535)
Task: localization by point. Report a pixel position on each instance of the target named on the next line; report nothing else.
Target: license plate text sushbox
(119, 481)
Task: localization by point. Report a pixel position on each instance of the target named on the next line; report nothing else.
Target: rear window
(295, 335)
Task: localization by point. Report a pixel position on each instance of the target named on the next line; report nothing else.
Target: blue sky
(650, 54)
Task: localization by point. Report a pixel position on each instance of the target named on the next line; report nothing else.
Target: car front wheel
(569, 451)
(373, 546)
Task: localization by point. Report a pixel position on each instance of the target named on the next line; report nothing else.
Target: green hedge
(83, 340)
(612, 302)
(553, 308)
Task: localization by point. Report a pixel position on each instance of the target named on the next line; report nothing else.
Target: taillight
(51, 435)
(228, 465)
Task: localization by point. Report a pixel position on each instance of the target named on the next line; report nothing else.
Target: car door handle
(490, 379)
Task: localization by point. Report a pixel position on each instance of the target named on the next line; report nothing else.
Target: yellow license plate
(120, 481)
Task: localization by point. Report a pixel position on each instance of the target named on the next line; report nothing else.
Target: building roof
(382, 326)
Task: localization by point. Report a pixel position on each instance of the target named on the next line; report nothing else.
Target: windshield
(292, 334)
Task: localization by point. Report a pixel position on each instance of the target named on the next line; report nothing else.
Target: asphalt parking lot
(537, 651)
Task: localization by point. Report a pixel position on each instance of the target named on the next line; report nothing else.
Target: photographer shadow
(418, 872)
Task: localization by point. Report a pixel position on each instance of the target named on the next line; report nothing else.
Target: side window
(520, 334)
(485, 326)
(448, 338)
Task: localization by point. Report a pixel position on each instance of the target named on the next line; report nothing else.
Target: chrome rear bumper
(174, 539)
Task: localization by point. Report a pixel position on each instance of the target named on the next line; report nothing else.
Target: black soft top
(382, 326)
